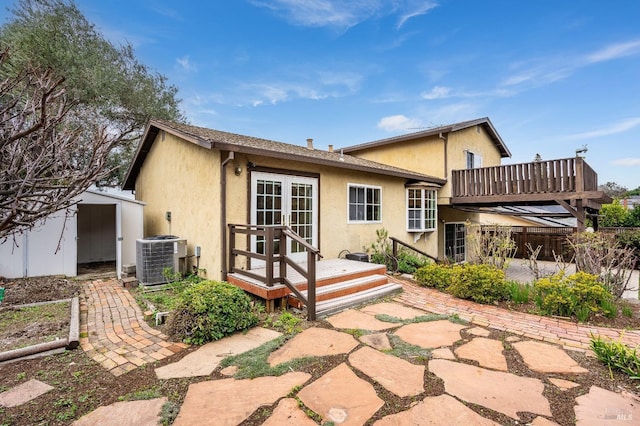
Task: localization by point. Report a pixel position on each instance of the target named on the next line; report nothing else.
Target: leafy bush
(210, 310)
(579, 295)
(408, 262)
(480, 283)
(405, 261)
(434, 276)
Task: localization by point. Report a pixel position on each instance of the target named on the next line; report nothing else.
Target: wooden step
(332, 306)
(342, 288)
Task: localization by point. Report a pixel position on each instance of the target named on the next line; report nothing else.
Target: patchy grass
(404, 350)
(422, 318)
(26, 326)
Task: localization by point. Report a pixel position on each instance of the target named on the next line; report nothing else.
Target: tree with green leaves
(107, 80)
(613, 215)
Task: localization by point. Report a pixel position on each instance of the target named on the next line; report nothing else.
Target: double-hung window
(422, 209)
(474, 160)
(365, 203)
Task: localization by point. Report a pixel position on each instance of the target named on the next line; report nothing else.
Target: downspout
(223, 212)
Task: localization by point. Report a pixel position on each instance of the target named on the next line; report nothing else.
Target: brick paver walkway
(113, 331)
(561, 332)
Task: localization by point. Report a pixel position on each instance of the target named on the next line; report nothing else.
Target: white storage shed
(101, 227)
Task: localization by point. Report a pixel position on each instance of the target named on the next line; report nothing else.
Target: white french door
(278, 199)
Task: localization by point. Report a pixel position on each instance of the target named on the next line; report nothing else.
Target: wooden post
(268, 251)
(232, 246)
(311, 285)
(580, 215)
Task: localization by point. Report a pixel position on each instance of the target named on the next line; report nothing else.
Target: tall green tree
(100, 77)
(613, 214)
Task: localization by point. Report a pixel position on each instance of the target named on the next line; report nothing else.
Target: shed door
(285, 200)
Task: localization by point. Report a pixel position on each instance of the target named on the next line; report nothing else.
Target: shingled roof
(225, 141)
(484, 122)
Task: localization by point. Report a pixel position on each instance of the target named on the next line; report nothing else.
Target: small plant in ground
(409, 262)
(402, 349)
(519, 292)
(380, 251)
(20, 376)
(150, 393)
(627, 311)
(434, 276)
(356, 332)
(617, 355)
(210, 310)
(169, 413)
(422, 318)
(287, 323)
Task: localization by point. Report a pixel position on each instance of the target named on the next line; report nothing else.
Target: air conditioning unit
(158, 254)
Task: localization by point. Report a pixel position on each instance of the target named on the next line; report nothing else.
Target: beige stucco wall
(183, 178)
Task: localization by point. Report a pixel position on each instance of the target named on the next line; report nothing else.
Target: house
(101, 227)
(244, 203)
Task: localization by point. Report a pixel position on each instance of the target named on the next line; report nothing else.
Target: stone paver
(546, 358)
(288, 413)
(393, 310)
(379, 341)
(354, 319)
(479, 331)
(541, 421)
(552, 330)
(442, 353)
(563, 384)
(502, 392)
(23, 393)
(487, 352)
(229, 402)
(440, 410)
(203, 361)
(433, 334)
(125, 413)
(118, 338)
(395, 374)
(341, 397)
(313, 342)
(603, 407)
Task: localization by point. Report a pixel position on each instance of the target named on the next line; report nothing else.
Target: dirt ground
(82, 385)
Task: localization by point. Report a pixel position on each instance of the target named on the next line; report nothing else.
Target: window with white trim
(422, 209)
(365, 203)
(474, 160)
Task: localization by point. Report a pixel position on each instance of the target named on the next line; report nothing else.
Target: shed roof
(216, 139)
(484, 122)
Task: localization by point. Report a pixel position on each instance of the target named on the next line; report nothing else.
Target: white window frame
(427, 209)
(366, 204)
(476, 158)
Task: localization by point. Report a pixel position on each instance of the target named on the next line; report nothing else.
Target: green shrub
(210, 310)
(579, 295)
(434, 276)
(409, 262)
(480, 283)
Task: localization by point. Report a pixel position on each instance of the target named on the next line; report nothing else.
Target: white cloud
(186, 65)
(342, 14)
(615, 128)
(615, 51)
(398, 123)
(413, 9)
(438, 92)
(626, 162)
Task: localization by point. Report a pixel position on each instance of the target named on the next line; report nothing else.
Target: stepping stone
(205, 359)
(512, 339)
(379, 341)
(541, 421)
(146, 412)
(487, 352)
(502, 392)
(546, 358)
(433, 334)
(229, 371)
(442, 353)
(441, 410)
(288, 413)
(229, 401)
(313, 342)
(563, 384)
(601, 406)
(479, 331)
(353, 319)
(393, 310)
(24, 392)
(341, 397)
(395, 374)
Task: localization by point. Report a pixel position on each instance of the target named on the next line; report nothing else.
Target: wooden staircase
(340, 284)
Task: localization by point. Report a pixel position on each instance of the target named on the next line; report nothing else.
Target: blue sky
(551, 75)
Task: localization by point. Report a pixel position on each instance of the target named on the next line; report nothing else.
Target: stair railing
(396, 242)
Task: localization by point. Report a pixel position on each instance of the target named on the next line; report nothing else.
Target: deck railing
(275, 253)
(394, 251)
(565, 175)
